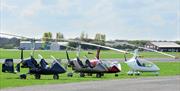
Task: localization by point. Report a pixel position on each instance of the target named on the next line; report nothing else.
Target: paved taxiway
(135, 84)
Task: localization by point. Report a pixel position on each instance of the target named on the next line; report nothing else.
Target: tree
(82, 36)
(59, 36)
(47, 36)
(100, 37)
(86, 36)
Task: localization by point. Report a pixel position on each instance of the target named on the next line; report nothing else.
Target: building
(58, 45)
(28, 45)
(163, 46)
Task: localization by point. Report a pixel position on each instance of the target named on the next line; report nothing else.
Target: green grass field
(12, 80)
(105, 54)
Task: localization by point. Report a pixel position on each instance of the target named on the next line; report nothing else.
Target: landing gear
(22, 76)
(70, 74)
(157, 73)
(55, 76)
(3, 68)
(130, 73)
(116, 75)
(137, 73)
(37, 76)
(82, 75)
(89, 74)
(98, 75)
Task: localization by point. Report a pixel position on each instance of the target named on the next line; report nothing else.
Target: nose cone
(156, 68)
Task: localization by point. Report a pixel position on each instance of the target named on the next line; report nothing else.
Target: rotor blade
(14, 35)
(158, 52)
(106, 47)
(152, 50)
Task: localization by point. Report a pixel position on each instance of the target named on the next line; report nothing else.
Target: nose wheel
(131, 73)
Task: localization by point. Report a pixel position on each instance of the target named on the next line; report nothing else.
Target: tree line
(99, 38)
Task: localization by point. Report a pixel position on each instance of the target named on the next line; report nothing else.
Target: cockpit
(143, 63)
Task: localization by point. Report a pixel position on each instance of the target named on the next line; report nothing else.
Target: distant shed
(28, 45)
(164, 46)
(58, 45)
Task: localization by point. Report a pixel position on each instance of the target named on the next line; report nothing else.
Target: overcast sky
(118, 19)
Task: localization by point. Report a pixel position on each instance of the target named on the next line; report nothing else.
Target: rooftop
(166, 44)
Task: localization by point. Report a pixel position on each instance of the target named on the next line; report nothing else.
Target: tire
(116, 75)
(70, 74)
(23, 76)
(3, 68)
(130, 74)
(102, 74)
(98, 75)
(137, 74)
(55, 76)
(82, 75)
(37, 76)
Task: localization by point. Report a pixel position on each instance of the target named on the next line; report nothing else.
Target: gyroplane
(136, 65)
(94, 66)
(35, 68)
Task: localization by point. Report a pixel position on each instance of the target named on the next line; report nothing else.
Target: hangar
(164, 46)
(27, 45)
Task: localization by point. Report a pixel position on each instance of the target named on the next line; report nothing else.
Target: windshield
(143, 63)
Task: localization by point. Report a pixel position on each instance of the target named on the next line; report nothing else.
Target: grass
(106, 54)
(12, 80)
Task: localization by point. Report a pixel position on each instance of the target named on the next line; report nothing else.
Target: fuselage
(143, 66)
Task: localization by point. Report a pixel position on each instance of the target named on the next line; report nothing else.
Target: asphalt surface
(138, 84)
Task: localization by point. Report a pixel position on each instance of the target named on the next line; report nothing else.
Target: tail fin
(98, 52)
(135, 53)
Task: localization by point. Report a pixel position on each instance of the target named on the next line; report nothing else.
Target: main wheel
(116, 75)
(70, 74)
(55, 76)
(137, 73)
(98, 75)
(3, 68)
(102, 74)
(37, 76)
(82, 75)
(22, 76)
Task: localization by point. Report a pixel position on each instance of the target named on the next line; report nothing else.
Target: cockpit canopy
(144, 63)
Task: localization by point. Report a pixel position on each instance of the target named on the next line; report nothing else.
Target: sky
(117, 19)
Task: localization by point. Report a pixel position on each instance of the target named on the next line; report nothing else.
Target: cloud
(126, 19)
(33, 8)
(4, 6)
